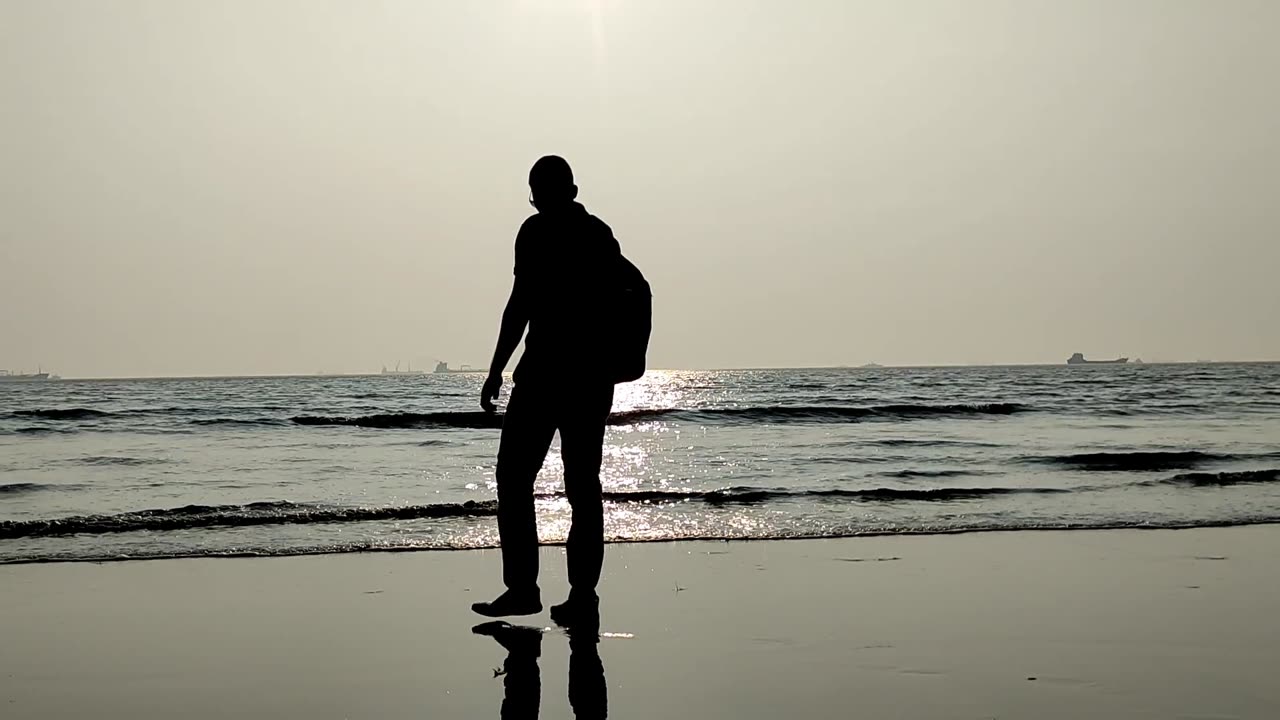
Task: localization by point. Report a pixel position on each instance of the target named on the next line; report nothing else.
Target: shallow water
(93, 470)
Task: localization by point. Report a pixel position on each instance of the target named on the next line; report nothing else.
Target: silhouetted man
(564, 257)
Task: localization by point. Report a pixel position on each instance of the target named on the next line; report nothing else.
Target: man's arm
(514, 321)
(515, 318)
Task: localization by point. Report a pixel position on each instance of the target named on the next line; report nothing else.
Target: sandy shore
(1136, 624)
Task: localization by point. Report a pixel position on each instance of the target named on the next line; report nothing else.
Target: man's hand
(489, 394)
(514, 320)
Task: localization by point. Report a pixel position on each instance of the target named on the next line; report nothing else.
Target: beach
(906, 360)
(1103, 624)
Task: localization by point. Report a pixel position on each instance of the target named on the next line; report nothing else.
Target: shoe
(511, 602)
(580, 612)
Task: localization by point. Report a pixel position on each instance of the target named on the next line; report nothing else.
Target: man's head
(551, 183)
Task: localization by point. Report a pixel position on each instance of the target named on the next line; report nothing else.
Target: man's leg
(527, 430)
(582, 427)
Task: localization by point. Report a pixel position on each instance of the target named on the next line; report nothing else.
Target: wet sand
(1105, 624)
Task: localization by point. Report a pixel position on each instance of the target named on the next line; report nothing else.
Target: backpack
(632, 303)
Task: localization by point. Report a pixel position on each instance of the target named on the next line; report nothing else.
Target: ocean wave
(122, 460)
(241, 422)
(773, 414)
(41, 430)
(260, 513)
(925, 442)
(857, 459)
(61, 414)
(1133, 461)
(452, 544)
(288, 513)
(747, 495)
(22, 487)
(82, 413)
(1222, 479)
(388, 421)
(818, 414)
(907, 474)
(780, 414)
(939, 494)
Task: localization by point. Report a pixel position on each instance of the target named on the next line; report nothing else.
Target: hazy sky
(262, 186)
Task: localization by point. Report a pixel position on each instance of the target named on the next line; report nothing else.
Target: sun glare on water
(657, 389)
(633, 461)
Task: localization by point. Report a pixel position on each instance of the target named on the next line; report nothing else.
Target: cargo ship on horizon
(1079, 359)
(12, 377)
(398, 371)
(442, 367)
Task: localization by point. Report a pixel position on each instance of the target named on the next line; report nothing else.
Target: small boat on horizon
(1079, 359)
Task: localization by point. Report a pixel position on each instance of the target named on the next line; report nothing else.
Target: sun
(594, 10)
(591, 13)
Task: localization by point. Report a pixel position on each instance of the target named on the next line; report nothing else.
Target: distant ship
(398, 371)
(1078, 359)
(9, 377)
(443, 367)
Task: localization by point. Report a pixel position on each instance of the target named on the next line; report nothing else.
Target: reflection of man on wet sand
(522, 681)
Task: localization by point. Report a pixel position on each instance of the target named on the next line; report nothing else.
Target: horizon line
(757, 368)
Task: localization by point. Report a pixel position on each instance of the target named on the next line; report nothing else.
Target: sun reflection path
(641, 457)
(657, 389)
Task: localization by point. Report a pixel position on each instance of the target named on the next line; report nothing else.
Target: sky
(297, 186)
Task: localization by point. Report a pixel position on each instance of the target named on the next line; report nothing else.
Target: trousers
(535, 412)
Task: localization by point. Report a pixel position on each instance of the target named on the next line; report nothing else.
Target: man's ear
(573, 194)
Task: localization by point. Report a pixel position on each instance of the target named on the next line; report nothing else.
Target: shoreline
(1109, 624)
(249, 555)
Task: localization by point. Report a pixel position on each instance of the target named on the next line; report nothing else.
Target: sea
(117, 470)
